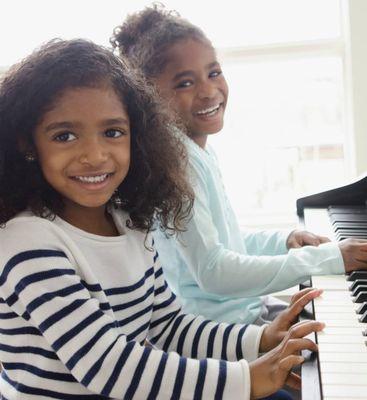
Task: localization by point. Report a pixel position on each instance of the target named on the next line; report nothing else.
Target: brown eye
(113, 133)
(214, 74)
(65, 137)
(184, 84)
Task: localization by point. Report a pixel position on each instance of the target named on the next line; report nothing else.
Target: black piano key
(363, 318)
(355, 237)
(349, 233)
(359, 289)
(343, 236)
(339, 229)
(362, 309)
(353, 231)
(358, 282)
(357, 275)
(347, 210)
(361, 297)
(351, 225)
(347, 218)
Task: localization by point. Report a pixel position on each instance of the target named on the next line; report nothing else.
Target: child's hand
(277, 329)
(354, 252)
(271, 371)
(299, 238)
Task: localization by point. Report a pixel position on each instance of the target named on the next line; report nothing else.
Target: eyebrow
(115, 121)
(70, 125)
(192, 73)
(59, 125)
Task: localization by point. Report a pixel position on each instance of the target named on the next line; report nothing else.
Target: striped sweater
(76, 309)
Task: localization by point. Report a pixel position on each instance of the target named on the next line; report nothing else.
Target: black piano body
(353, 194)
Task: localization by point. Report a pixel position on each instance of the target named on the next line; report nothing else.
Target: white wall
(356, 79)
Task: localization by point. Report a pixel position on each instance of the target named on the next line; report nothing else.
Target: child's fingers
(293, 380)
(324, 239)
(299, 294)
(287, 363)
(294, 346)
(304, 328)
(299, 304)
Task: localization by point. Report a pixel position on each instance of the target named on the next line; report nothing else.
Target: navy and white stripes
(75, 311)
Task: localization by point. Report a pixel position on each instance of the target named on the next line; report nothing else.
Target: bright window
(283, 134)
(284, 129)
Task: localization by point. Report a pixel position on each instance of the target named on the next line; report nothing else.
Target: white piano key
(335, 302)
(344, 379)
(342, 309)
(331, 282)
(342, 348)
(334, 367)
(332, 295)
(350, 323)
(330, 330)
(348, 398)
(342, 339)
(343, 357)
(345, 391)
(346, 316)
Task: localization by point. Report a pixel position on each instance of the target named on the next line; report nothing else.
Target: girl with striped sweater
(88, 163)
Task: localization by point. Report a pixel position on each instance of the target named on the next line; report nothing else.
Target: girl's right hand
(271, 371)
(354, 252)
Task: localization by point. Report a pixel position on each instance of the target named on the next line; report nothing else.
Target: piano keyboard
(342, 345)
(348, 222)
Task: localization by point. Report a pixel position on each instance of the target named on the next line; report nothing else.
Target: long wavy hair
(155, 187)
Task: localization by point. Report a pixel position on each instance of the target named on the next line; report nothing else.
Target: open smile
(92, 178)
(93, 182)
(210, 111)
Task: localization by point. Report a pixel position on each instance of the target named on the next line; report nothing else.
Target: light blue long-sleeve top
(219, 271)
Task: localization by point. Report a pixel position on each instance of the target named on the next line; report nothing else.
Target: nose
(207, 89)
(94, 153)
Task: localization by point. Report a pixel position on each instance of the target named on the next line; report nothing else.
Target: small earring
(30, 157)
(117, 201)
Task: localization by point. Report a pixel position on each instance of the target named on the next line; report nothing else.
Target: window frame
(351, 49)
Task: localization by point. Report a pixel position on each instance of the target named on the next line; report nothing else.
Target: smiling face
(83, 148)
(193, 84)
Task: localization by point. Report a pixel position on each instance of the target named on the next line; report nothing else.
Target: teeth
(92, 179)
(210, 110)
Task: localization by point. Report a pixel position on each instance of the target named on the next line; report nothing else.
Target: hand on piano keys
(354, 252)
(299, 238)
(276, 331)
(273, 370)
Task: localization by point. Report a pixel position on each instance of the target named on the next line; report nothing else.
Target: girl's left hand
(275, 332)
(299, 238)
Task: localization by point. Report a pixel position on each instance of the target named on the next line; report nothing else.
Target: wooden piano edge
(310, 369)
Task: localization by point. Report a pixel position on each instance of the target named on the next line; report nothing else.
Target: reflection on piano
(339, 371)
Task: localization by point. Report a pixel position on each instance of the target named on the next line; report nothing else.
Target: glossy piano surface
(340, 370)
(352, 194)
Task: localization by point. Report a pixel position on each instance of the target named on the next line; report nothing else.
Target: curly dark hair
(144, 37)
(155, 186)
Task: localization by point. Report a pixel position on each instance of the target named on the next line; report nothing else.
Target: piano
(339, 370)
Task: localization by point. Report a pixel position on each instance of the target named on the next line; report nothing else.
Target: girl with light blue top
(216, 269)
